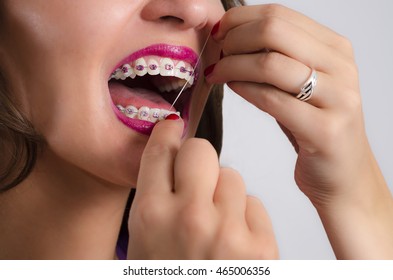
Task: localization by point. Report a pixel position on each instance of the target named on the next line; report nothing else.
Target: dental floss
(193, 71)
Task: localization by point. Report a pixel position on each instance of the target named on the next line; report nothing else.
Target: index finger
(245, 14)
(156, 169)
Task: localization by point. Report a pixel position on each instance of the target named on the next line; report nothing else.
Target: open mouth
(145, 85)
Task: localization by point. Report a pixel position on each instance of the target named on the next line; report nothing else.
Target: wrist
(364, 189)
(358, 220)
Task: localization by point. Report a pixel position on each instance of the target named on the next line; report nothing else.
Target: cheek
(51, 50)
(109, 158)
(55, 25)
(81, 128)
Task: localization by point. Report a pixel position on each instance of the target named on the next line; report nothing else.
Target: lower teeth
(145, 113)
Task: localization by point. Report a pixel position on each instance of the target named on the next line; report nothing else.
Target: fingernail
(209, 70)
(215, 28)
(172, 117)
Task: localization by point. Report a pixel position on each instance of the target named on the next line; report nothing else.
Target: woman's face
(66, 60)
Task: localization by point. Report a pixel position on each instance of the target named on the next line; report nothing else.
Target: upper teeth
(154, 65)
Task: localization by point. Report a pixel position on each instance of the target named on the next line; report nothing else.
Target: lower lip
(140, 126)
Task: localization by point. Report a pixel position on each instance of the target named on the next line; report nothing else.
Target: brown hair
(20, 143)
(210, 125)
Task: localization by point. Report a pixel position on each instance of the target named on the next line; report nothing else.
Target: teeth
(178, 84)
(174, 85)
(161, 88)
(145, 113)
(154, 115)
(121, 108)
(118, 74)
(167, 67)
(126, 70)
(181, 71)
(163, 115)
(131, 111)
(191, 81)
(168, 87)
(153, 67)
(140, 67)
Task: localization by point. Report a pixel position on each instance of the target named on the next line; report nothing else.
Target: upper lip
(183, 53)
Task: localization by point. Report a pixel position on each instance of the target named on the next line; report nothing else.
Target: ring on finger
(308, 87)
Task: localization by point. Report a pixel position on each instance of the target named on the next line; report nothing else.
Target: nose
(185, 14)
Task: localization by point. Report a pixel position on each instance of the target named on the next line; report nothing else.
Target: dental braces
(193, 71)
(145, 113)
(125, 69)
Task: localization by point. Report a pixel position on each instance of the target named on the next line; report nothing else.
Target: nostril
(172, 19)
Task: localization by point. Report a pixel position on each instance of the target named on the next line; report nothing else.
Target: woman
(85, 90)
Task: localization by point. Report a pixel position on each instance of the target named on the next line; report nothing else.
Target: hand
(187, 207)
(269, 52)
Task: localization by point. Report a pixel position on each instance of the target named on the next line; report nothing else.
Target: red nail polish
(209, 70)
(215, 28)
(172, 117)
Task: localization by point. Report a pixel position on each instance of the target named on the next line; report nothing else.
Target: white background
(113, 270)
(255, 146)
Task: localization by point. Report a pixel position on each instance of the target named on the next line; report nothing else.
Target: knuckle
(231, 173)
(273, 99)
(147, 213)
(199, 146)
(231, 15)
(352, 103)
(197, 143)
(230, 244)
(254, 200)
(344, 44)
(267, 249)
(349, 68)
(157, 150)
(345, 117)
(334, 130)
(270, 27)
(194, 221)
(270, 61)
(273, 9)
(232, 188)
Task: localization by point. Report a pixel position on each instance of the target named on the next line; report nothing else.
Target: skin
(182, 209)
(335, 168)
(57, 61)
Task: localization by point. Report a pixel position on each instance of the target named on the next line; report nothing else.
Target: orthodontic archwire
(193, 72)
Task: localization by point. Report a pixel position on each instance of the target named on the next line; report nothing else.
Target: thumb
(156, 169)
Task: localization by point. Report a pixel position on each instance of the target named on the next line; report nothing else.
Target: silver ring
(307, 89)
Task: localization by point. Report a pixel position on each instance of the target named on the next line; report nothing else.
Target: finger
(245, 14)
(156, 168)
(230, 194)
(196, 170)
(278, 70)
(302, 119)
(283, 37)
(258, 220)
